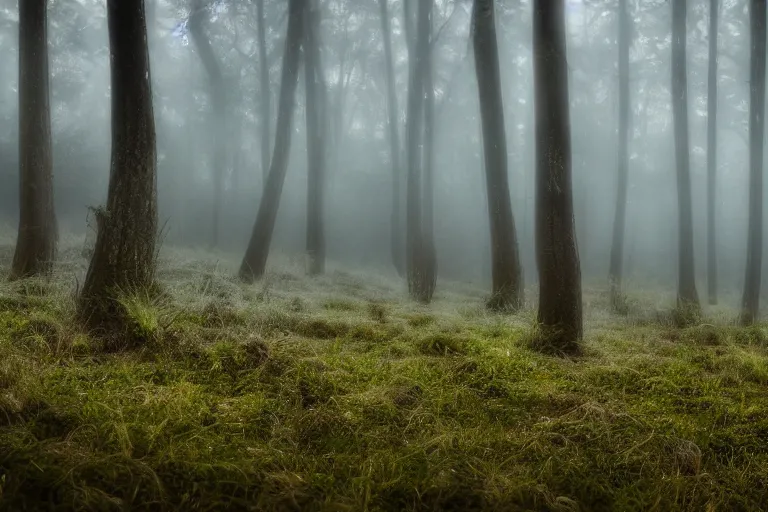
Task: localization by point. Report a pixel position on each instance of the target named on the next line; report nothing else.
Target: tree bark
(507, 292)
(751, 298)
(687, 296)
(36, 241)
(619, 221)
(396, 228)
(560, 307)
(124, 257)
(429, 256)
(316, 113)
(712, 155)
(416, 265)
(265, 95)
(218, 102)
(255, 260)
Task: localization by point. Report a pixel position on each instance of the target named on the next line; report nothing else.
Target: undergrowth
(306, 396)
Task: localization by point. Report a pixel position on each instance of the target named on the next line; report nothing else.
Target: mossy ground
(336, 393)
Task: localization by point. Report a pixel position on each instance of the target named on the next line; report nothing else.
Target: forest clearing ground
(336, 393)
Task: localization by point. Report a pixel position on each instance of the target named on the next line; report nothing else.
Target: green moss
(232, 406)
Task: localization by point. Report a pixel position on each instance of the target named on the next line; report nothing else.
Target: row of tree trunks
(507, 289)
(37, 235)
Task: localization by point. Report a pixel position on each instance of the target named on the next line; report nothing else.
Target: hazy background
(359, 173)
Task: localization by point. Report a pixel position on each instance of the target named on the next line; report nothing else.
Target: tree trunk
(255, 261)
(218, 102)
(266, 97)
(751, 299)
(396, 228)
(619, 221)
(429, 257)
(712, 155)
(316, 146)
(687, 296)
(560, 309)
(124, 255)
(415, 244)
(36, 242)
(507, 292)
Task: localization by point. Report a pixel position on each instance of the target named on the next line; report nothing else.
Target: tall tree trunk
(507, 292)
(36, 242)
(396, 228)
(751, 299)
(316, 146)
(429, 256)
(560, 308)
(415, 263)
(619, 221)
(712, 155)
(218, 102)
(265, 95)
(124, 255)
(686, 282)
(255, 261)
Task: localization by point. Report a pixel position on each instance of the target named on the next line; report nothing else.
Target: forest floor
(337, 393)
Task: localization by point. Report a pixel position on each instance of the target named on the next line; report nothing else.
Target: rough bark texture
(751, 299)
(507, 292)
(255, 261)
(687, 296)
(265, 95)
(619, 221)
(396, 227)
(316, 145)
(560, 310)
(124, 256)
(417, 262)
(36, 242)
(218, 102)
(712, 155)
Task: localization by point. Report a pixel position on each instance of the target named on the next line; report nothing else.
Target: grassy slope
(336, 394)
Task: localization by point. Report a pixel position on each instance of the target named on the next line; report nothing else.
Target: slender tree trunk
(36, 242)
(218, 102)
(560, 308)
(507, 292)
(124, 255)
(255, 261)
(619, 221)
(415, 244)
(396, 228)
(429, 256)
(751, 299)
(686, 288)
(316, 146)
(265, 95)
(712, 155)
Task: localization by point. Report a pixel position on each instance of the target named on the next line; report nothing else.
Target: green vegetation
(295, 394)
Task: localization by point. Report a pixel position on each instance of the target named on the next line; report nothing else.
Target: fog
(359, 176)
